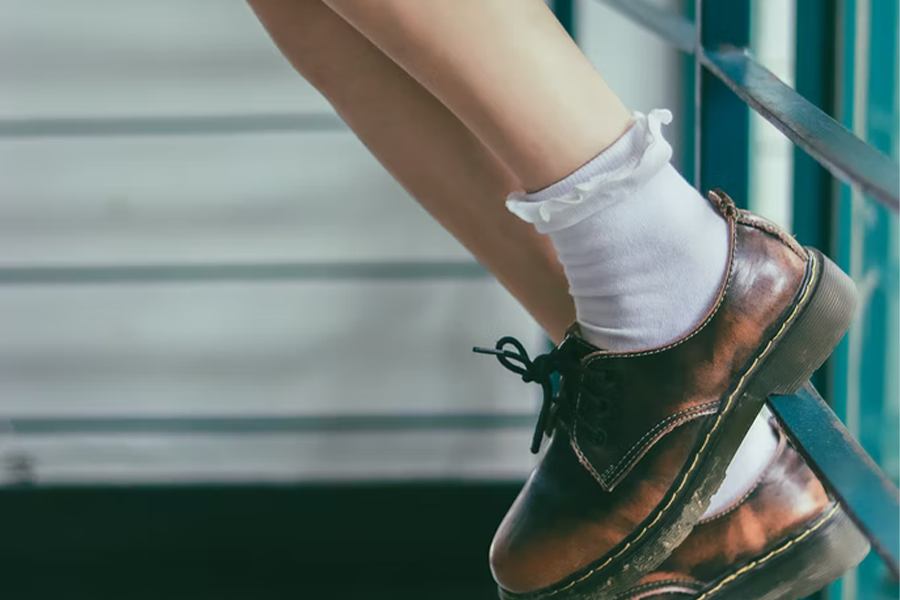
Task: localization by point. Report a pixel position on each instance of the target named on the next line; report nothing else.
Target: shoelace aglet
(494, 352)
(480, 350)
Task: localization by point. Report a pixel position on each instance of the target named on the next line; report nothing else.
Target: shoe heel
(813, 333)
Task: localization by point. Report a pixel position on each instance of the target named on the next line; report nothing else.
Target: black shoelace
(541, 370)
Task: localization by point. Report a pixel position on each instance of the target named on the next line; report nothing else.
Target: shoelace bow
(539, 370)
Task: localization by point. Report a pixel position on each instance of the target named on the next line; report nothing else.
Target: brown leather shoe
(785, 539)
(642, 439)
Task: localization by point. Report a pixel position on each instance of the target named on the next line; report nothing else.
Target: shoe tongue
(575, 345)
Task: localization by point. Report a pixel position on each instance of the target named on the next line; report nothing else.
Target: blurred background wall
(166, 134)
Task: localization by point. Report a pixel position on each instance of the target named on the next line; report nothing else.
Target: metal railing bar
(170, 125)
(326, 271)
(721, 120)
(836, 148)
(870, 499)
(39, 426)
(844, 155)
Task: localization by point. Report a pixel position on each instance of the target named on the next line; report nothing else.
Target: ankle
(644, 253)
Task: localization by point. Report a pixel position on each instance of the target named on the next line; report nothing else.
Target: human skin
(427, 148)
(508, 71)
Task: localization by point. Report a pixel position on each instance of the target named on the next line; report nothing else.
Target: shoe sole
(806, 337)
(802, 565)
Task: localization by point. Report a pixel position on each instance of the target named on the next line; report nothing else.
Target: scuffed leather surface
(786, 500)
(562, 521)
(788, 497)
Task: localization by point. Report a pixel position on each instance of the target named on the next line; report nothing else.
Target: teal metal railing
(728, 82)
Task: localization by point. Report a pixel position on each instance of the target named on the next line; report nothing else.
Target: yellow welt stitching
(740, 385)
(771, 554)
(616, 468)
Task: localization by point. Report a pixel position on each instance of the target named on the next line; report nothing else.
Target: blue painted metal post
(814, 189)
(565, 13)
(815, 81)
(722, 140)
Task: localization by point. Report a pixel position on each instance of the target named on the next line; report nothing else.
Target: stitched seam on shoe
(661, 582)
(794, 314)
(729, 277)
(757, 563)
(602, 354)
(771, 229)
(613, 478)
(638, 446)
(782, 445)
(581, 457)
(646, 587)
(590, 359)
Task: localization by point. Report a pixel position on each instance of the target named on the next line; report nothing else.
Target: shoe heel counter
(727, 208)
(750, 219)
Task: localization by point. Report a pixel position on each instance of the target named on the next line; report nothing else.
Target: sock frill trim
(593, 186)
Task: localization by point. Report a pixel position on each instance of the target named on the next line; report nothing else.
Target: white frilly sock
(644, 252)
(645, 255)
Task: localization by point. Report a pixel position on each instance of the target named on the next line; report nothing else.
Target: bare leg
(508, 70)
(438, 158)
(426, 148)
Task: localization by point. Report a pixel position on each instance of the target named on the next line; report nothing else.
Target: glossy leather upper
(785, 500)
(587, 495)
